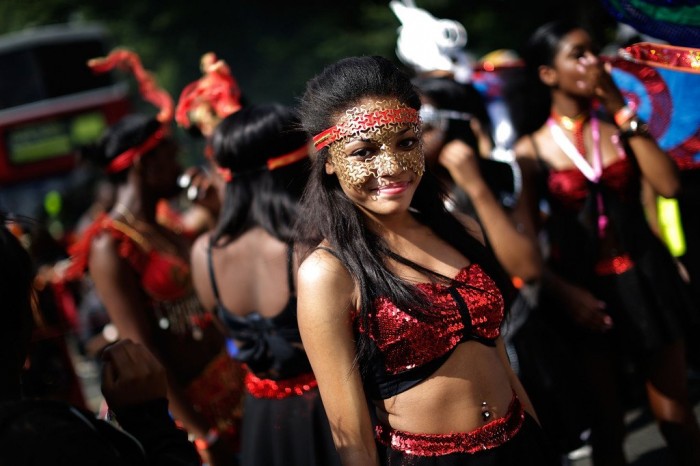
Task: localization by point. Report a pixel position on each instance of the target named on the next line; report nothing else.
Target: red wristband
(623, 115)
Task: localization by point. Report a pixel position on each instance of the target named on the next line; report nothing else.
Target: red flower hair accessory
(211, 98)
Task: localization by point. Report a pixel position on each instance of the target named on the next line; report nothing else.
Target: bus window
(51, 104)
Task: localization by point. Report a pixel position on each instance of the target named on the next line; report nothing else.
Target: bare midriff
(450, 400)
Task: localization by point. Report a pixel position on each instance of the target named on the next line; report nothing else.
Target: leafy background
(273, 47)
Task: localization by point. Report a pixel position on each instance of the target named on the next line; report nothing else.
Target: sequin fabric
(217, 394)
(368, 117)
(614, 266)
(647, 53)
(490, 435)
(569, 188)
(278, 389)
(411, 339)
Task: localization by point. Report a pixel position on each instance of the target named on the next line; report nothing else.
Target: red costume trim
(486, 437)
(664, 56)
(217, 89)
(225, 173)
(272, 164)
(363, 123)
(217, 394)
(288, 159)
(135, 252)
(614, 266)
(147, 84)
(278, 389)
(128, 157)
(149, 90)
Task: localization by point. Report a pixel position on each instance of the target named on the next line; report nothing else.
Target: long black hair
(328, 214)
(530, 98)
(243, 143)
(131, 131)
(543, 44)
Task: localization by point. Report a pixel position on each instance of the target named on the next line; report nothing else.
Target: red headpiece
(150, 91)
(212, 97)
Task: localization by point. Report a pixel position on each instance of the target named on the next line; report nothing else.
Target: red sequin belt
(614, 265)
(278, 389)
(491, 435)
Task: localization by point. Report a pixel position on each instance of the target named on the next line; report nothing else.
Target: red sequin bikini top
(163, 276)
(570, 187)
(412, 345)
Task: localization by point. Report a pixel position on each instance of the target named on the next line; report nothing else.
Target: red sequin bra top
(165, 278)
(570, 188)
(412, 345)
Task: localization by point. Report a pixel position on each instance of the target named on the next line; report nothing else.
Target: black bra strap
(463, 310)
(210, 264)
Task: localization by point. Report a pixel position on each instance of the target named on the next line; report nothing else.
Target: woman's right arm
(120, 291)
(326, 299)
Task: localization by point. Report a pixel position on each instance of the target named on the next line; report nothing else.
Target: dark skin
(153, 177)
(575, 78)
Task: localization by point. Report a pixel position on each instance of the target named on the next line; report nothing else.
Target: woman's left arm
(656, 166)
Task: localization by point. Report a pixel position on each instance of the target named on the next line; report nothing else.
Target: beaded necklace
(575, 125)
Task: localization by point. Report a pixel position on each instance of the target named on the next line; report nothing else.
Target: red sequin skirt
(278, 389)
(488, 436)
(217, 393)
(515, 439)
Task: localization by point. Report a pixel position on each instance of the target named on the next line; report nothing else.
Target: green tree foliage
(273, 47)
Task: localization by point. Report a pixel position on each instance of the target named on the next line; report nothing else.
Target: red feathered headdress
(149, 89)
(212, 97)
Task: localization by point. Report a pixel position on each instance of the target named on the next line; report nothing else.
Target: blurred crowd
(243, 309)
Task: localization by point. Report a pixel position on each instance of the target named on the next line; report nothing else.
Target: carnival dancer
(142, 273)
(615, 289)
(245, 270)
(400, 306)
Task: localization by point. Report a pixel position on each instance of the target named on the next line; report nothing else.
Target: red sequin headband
(150, 91)
(217, 89)
(127, 158)
(364, 122)
(274, 163)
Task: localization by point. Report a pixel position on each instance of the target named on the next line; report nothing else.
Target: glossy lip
(393, 189)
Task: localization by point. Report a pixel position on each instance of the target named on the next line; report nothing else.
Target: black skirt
(287, 432)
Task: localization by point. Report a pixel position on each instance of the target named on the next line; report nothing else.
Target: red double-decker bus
(51, 104)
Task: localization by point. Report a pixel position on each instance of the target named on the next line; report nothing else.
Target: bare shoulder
(199, 248)
(104, 251)
(324, 285)
(524, 148)
(322, 269)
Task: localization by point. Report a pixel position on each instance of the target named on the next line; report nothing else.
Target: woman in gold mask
(399, 302)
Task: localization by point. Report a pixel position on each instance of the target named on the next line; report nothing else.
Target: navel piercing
(485, 413)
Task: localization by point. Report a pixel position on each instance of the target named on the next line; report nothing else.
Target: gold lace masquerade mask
(377, 122)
